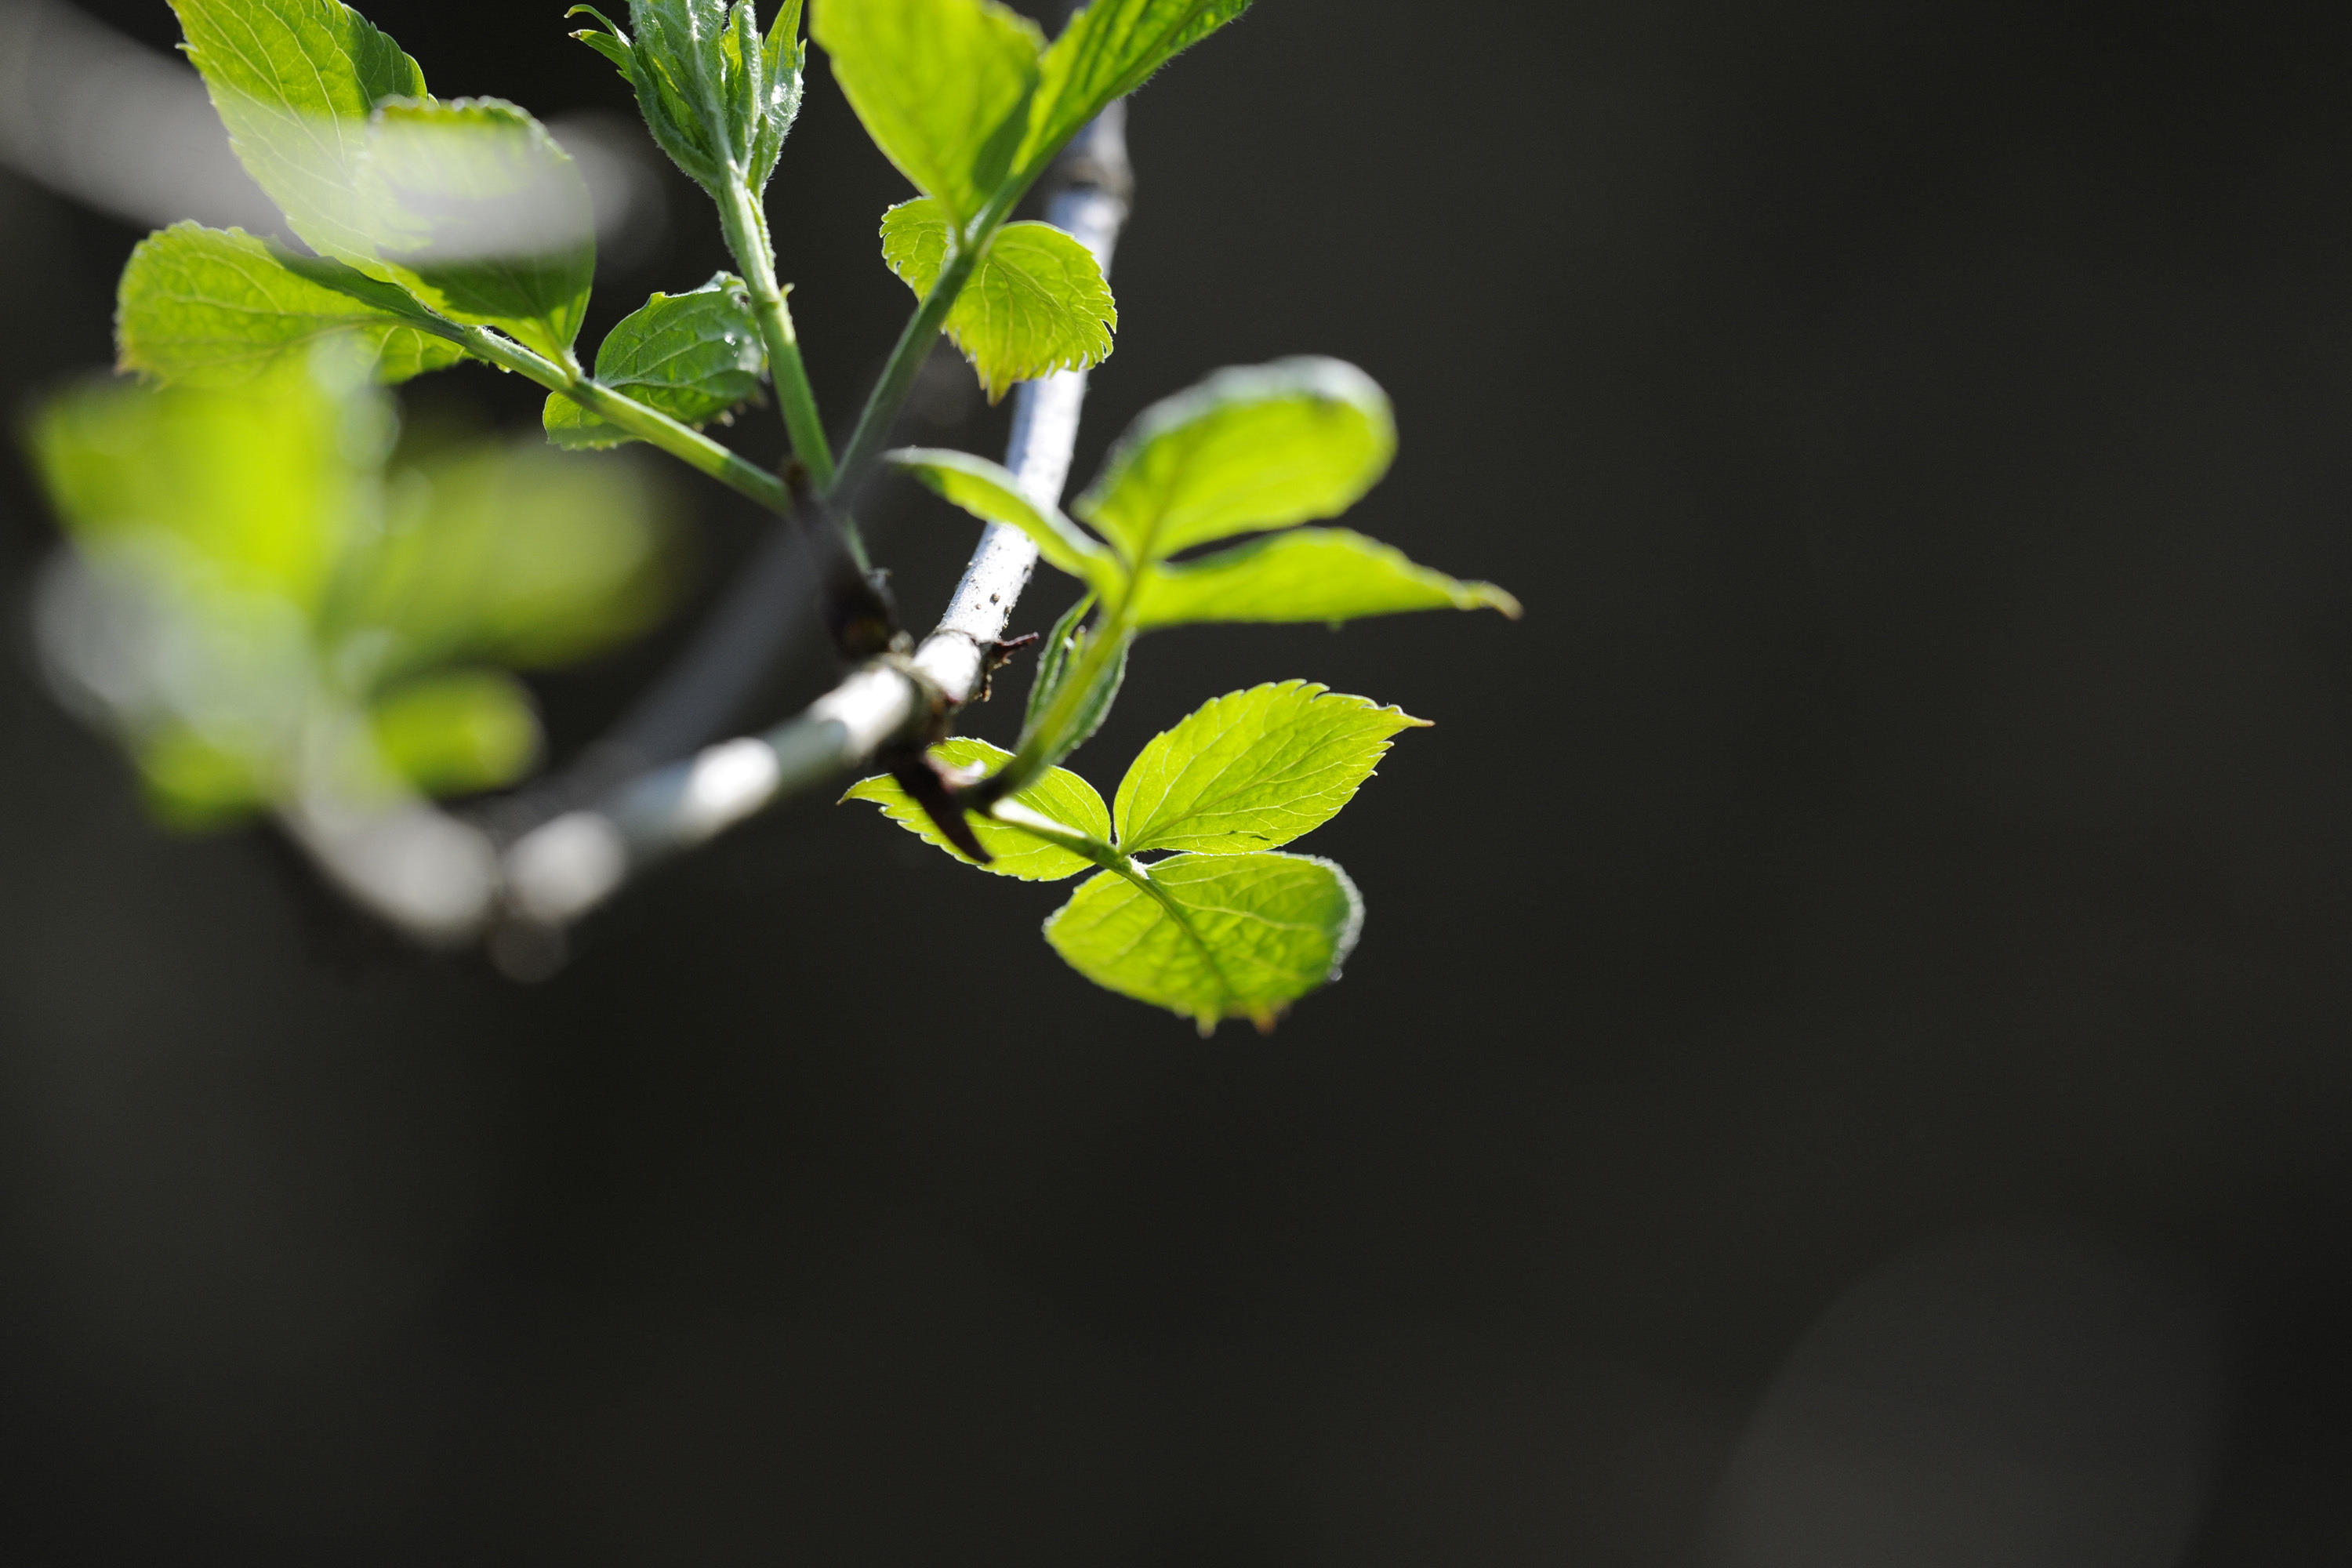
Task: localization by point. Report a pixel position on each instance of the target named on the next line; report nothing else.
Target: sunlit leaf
(295, 82)
(1214, 936)
(942, 86)
(1108, 51)
(693, 356)
(215, 308)
(718, 97)
(1256, 446)
(256, 491)
(990, 492)
(512, 553)
(1252, 770)
(1058, 794)
(1065, 648)
(1306, 574)
(455, 733)
(1037, 303)
(475, 210)
(192, 784)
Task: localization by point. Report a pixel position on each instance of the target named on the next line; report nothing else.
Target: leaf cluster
(267, 607)
(1221, 927)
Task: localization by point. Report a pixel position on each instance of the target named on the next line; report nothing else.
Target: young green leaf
(1059, 793)
(693, 356)
(1055, 658)
(1037, 303)
(1214, 936)
(214, 309)
(251, 491)
(456, 733)
(1256, 446)
(476, 211)
(295, 82)
(193, 785)
(991, 493)
(505, 552)
(1252, 770)
(1306, 574)
(942, 86)
(718, 98)
(1108, 51)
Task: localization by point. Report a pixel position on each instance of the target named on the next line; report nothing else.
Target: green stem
(1103, 644)
(690, 446)
(906, 356)
(746, 236)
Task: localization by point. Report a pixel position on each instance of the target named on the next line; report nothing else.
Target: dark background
(1915, 808)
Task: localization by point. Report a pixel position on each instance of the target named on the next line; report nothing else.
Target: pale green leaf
(475, 210)
(456, 733)
(295, 82)
(1108, 51)
(1214, 936)
(1036, 303)
(1256, 446)
(256, 492)
(193, 785)
(1058, 661)
(1058, 794)
(217, 309)
(693, 356)
(507, 553)
(942, 86)
(1252, 770)
(991, 493)
(1306, 574)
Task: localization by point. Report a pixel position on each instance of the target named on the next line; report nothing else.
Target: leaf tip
(1488, 596)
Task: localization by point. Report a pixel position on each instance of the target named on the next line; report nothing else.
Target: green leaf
(1257, 447)
(1214, 936)
(192, 784)
(1252, 770)
(1036, 303)
(456, 733)
(693, 356)
(295, 82)
(718, 98)
(254, 492)
(1058, 794)
(215, 308)
(476, 211)
(1307, 575)
(510, 553)
(991, 493)
(1065, 646)
(942, 86)
(1108, 51)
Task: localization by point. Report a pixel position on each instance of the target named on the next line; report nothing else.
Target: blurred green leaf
(456, 733)
(693, 356)
(192, 784)
(257, 490)
(1213, 936)
(1252, 770)
(474, 210)
(215, 308)
(509, 554)
(1306, 574)
(990, 492)
(942, 86)
(1108, 51)
(1058, 794)
(1060, 662)
(1258, 446)
(295, 82)
(1037, 303)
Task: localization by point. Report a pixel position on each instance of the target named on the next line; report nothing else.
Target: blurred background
(1848, 1062)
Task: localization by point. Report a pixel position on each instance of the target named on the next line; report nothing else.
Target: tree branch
(558, 871)
(572, 842)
